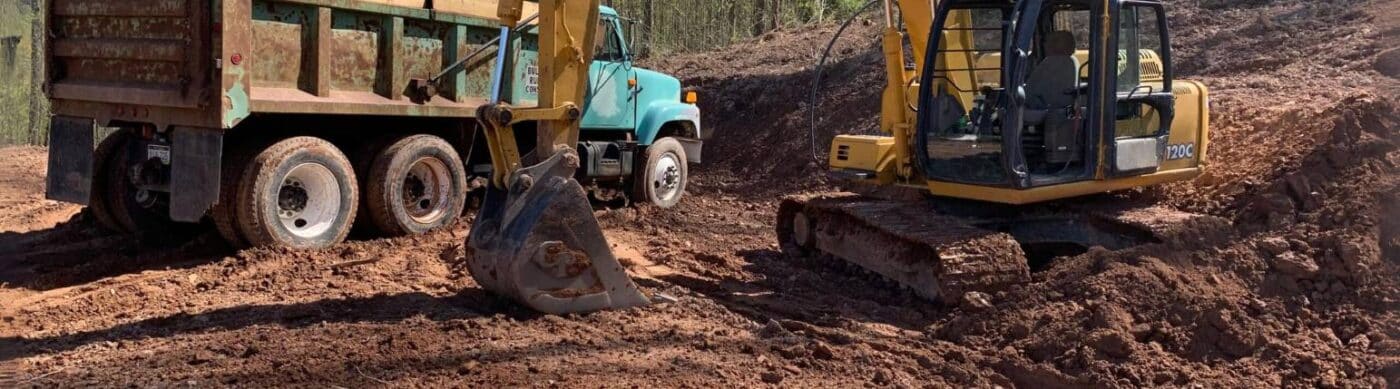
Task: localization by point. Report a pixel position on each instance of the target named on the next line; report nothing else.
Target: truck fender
(660, 114)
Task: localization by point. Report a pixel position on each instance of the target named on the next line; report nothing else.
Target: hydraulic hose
(817, 82)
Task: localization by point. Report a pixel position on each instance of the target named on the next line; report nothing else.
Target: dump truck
(288, 122)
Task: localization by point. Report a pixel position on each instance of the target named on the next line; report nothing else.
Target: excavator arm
(535, 239)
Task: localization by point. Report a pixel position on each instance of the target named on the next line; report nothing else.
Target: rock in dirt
(1360, 343)
(823, 351)
(1295, 265)
(881, 377)
(774, 330)
(977, 301)
(1274, 245)
(771, 377)
(1114, 343)
(1111, 317)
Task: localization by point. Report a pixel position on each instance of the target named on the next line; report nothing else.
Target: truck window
(609, 43)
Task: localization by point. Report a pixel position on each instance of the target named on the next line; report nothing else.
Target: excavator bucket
(539, 244)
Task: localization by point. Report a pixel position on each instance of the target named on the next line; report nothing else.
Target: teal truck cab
(640, 129)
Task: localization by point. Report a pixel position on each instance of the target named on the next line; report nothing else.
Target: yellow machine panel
(864, 154)
(1189, 143)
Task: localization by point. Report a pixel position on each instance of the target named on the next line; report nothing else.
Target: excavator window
(1142, 73)
(1053, 133)
(1030, 102)
(965, 144)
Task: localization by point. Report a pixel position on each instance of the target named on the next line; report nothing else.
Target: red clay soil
(1296, 288)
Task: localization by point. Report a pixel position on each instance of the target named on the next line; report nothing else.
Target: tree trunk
(777, 14)
(758, 25)
(649, 20)
(38, 98)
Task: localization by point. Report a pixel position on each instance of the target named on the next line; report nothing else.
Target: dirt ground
(1300, 287)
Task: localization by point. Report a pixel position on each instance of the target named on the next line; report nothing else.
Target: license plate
(158, 152)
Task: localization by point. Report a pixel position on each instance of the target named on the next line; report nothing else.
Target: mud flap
(70, 160)
(195, 173)
(539, 244)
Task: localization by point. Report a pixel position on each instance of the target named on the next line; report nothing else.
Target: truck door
(612, 101)
(1144, 104)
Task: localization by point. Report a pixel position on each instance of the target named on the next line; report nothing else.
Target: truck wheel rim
(666, 177)
(426, 190)
(308, 201)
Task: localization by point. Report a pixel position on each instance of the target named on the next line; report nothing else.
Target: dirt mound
(1299, 291)
(757, 95)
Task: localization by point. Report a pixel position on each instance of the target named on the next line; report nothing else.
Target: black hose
(817, 83)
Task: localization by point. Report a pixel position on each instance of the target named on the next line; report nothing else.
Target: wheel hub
(666, 177)
(309, 200)
(426, 190)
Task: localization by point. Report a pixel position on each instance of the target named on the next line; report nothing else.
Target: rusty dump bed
(211, 64)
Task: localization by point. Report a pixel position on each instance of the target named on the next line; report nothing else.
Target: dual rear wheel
(304, 193)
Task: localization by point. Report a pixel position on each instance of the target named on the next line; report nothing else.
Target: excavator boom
(535, 239)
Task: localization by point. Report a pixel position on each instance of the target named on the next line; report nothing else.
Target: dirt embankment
(1299, 290)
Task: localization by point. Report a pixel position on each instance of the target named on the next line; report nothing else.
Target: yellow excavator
(1007, 109)
(1006, 104)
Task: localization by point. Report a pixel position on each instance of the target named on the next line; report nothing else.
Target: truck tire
(145, 213)
(299, 193)
(663, 178)
(99, 205)
(225, 213)
(362, 154)
(416, 185)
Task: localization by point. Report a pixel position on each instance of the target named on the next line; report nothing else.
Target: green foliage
(18, 97)
(666, 26)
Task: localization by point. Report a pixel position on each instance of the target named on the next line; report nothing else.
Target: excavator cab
(1034, 100)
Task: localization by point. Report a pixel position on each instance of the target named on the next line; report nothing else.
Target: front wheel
(299, 193)
(663, 177)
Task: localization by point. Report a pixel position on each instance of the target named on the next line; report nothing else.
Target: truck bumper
(694, 149)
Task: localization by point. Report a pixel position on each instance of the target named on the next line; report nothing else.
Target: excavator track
(940, 257)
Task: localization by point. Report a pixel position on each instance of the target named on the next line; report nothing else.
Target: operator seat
(1050, 97)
